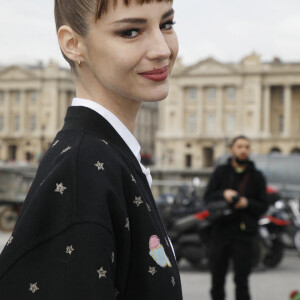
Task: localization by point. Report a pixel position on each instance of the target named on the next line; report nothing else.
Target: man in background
(243, 188)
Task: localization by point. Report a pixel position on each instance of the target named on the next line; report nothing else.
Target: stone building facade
(211, 102)
(33, 103)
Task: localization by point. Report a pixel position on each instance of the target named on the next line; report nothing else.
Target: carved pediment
(208, 66)
(15, 73)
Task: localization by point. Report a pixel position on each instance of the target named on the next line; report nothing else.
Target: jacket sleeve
(65, 245)
(259, 205)
(213, 190)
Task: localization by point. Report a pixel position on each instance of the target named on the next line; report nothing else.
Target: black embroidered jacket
(89, 228)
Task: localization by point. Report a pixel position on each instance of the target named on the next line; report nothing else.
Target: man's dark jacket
(251, 184)
(89, 228)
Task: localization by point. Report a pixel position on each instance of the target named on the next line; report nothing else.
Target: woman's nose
(158, 48)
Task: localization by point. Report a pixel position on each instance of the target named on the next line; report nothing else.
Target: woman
(89, 228)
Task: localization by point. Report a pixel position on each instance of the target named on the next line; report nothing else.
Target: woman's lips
(157, 74)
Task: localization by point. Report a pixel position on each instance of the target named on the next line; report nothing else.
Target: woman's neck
(123, 108)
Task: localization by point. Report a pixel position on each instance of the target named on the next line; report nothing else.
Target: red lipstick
(157, 74)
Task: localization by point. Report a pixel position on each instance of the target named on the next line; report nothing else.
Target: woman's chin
(157, 94)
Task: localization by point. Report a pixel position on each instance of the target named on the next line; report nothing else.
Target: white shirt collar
(122, 130)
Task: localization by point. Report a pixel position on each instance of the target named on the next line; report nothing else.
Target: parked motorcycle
(190, 236)
(269, 245)
(292, 235)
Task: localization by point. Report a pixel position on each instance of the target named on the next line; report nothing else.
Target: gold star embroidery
(102, 273)
(69, 249)
(138, 201)
(99, 165)
(113, 257)
(10, 240)
(65, 150)
(133, 179)
(173, 281)
(60, 188)
(105, 142)
(148, 206)
(127, 224)
(55, 143)
(33, 287)
(152, 270)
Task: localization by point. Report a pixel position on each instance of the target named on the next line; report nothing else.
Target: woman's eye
(132, 33)
(169, 25)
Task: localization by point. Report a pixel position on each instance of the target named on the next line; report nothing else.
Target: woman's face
(130, 51)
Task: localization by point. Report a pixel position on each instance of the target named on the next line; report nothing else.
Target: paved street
(266, 284)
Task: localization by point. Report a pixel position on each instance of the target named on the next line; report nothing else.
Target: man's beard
(242, 161)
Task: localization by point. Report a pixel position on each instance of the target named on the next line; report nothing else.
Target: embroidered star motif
(113, 257)
(148, 206)
(127, 224)
(65, 150)
(55, 143)
(116, 292)
(133, 179)
(60, 188)
(102, 273)
(33, 287)
(152, 270)
(173, 281)
(69, 249)
(99, 165)
(138, 201)
(105, 142)
(10, 240)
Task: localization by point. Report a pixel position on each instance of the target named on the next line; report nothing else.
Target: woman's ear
(69, 43)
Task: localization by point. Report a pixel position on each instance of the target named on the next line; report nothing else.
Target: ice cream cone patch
(158, 253)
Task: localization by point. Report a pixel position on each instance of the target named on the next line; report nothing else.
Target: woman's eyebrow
(168, 13)
(143, 20)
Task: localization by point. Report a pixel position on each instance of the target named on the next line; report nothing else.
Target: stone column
(219, 112)
(23, 114)
(239, 112)
(200, 110)
(7, 106)
(267, 110)
(287, 110)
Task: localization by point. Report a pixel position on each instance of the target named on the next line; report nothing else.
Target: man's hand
(228, 194)
(242, 203)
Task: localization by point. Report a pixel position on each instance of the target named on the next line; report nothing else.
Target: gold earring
(79, 63)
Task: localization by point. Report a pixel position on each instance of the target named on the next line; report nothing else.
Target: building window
(230, 122)
(281, 123)
(231, 94)
(2, 97)
(1, 123)
(32, 123)
(211, 94)
(188, 160)
(191, 123)
(17, 97)
(17, 123)
(192, 94)
(210, 122)
(33, 97)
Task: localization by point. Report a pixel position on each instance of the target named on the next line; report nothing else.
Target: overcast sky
(224, 29)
